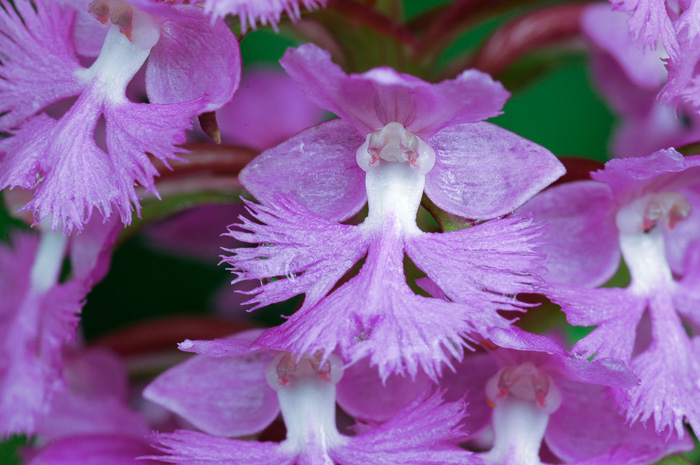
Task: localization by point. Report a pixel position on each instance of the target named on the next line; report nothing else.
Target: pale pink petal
(363, 395)
(668, 369)
(419, 434)
(39, 61)
(95, 399)
(468, 382)
(482, 171)
(252, 12)
(224, 396)
(616, 312)
(194, 58)
(268, 109)
(88, 34)
(629, 178)
(380, 96)
(606, 29)
(33, 336)
(581, 243)
(192, 448)
(587, 424)
(311, 252)
(649, 23)
(400, 331)
(483, 265)
(317, 168)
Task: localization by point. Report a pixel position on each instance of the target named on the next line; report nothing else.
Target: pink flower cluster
(405, 347)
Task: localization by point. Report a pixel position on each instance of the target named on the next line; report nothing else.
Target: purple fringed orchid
(193, 67)
(645, 210)
(397, 138)
(252, 12)
(541, 395)
(233, 388)
(39, 315)
(630, 79)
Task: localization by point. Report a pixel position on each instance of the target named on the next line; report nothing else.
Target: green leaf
(9, 450)
(674, 460)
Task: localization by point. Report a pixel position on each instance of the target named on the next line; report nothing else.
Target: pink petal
(30, 365)
(79, 176)
(263, 11)
(312, 252)
(363, 395)
(39, 61)
(419, 434)
(95, 450)
(661, 171)
(195, 57)
(667, 369)
(482, 171)
(380, 96)
(650, 22)
(88, 34)
(225, 396)
(616, 312)
(587, 425)
(468, 382)
(581, 243)
(389, 323)
(269, 108)
(483, 265)
(192, 448)
(317, 168)
(606, 29)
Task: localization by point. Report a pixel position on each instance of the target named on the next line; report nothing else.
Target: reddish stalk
(161, 334)
(375, 20)
(219, 160)
(525, 34)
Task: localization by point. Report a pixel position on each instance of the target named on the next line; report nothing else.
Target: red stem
(207, 158)
(527, 33)
(374, 20)
(164, 333)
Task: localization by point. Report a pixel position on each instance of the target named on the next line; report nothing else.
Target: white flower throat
(523, 398)
(396, 162)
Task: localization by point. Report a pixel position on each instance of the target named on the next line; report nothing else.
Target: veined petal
(482, 171)
(39, 63)
(664, 170)
(373, 99)
(269, 108)
(363, 395)
(419, 434)
(310, 251)
(581, 243)
(614, 311)
(650, 22)
(669, 370)
(63, 155)
(193, 448)
(484, 265)
(606, 29)
(265, 12)
(193, 58)
(399, 330)
(224, 396)
(317, 168)
(587, 425)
